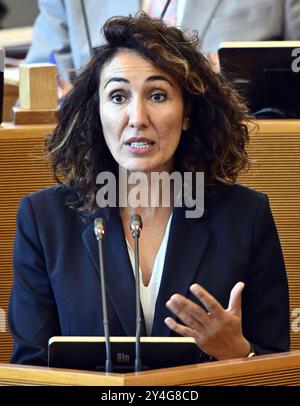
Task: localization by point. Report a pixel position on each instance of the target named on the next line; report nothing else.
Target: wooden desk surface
(275, 369)
(9, 130)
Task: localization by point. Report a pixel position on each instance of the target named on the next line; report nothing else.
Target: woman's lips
(140, 146)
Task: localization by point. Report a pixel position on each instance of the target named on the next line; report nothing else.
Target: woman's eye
(158, 97)
(118, 98)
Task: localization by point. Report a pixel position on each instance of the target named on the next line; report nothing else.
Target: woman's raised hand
(217, 331)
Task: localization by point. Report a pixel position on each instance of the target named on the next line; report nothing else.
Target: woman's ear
(186, 118)
(186, 123)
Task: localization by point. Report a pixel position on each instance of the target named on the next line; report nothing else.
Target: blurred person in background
(65, 30)
(3, 12)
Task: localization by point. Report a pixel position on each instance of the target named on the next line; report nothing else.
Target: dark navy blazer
(56, 289)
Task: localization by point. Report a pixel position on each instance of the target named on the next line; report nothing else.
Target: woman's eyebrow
(149, 79)
(117, 79)
(159, 77)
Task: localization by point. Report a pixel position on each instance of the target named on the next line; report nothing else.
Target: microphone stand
(100, 233)
(136, 225)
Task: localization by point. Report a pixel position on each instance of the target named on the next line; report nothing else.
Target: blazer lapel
(120, 281)
(187, 242)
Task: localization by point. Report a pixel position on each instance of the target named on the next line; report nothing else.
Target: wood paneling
(22, 171)
(275, 154)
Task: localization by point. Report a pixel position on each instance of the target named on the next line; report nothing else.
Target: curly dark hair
(218, 132)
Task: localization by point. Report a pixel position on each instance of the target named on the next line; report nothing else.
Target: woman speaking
(148, 102)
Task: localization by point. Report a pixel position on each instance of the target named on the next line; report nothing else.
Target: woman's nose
(138, 115)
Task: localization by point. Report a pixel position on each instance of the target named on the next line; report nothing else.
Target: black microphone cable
(86, 26)
(165, 9)
(136, 225)
(99, 230)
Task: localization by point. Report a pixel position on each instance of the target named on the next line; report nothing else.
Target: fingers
(196, 318)
(189, 312)
(235, 300)
(217, 331)
(179, 328)
(210, 303)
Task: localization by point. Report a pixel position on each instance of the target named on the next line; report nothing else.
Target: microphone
(99, 230)
(136, 225)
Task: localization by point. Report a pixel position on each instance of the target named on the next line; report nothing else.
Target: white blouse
(149, 293)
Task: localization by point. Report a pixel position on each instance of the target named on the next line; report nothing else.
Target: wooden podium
(268, 370)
